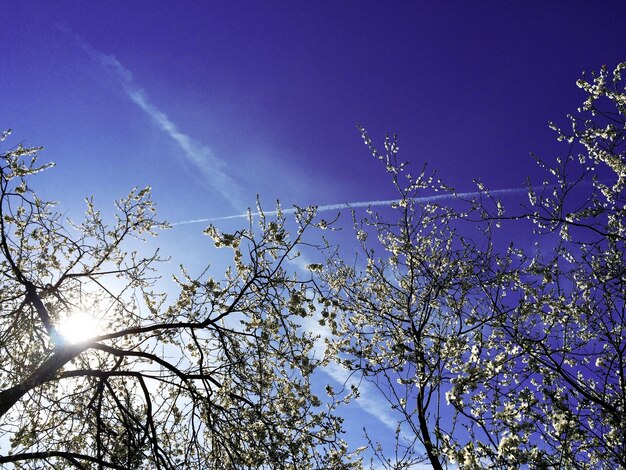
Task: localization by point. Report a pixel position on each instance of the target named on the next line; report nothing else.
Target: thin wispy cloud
(211, 168)
(368, 398)
(200, 156)
(353, 205)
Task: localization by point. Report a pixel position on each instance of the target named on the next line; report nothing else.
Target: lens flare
(79, 327)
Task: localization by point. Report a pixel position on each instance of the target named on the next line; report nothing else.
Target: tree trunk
(46, 371)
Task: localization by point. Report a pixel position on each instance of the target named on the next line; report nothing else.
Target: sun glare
(79, 327)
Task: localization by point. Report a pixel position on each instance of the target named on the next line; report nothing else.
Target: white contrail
(351, 205)
(196, 153)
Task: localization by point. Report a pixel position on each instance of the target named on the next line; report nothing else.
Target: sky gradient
(214, 103)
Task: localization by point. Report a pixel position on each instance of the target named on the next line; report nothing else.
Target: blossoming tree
(217, 377)
(494, 354)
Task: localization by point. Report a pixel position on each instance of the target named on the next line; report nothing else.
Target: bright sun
(79, 327)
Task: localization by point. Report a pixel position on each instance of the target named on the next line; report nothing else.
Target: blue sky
(212, 103)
